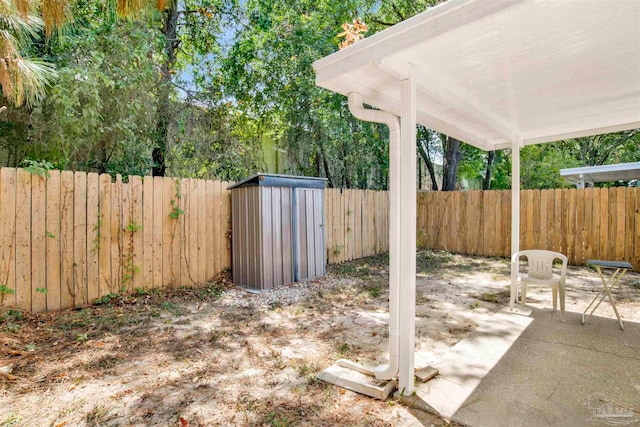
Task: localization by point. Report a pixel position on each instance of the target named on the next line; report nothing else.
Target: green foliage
(268, 77)
(40, 168)
(11, 315)
(98, 114)
(233, 75)
(11, 420)
(540, 166)
(175, 203)
(278, 420)
(42, 290)
(4, 290)
(133, 227)
(175, 210)
(105, 299)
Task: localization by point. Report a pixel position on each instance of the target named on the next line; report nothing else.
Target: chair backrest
(540, 263)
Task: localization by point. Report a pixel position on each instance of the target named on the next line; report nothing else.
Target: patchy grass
(448, 263)
(220, 356)
(501, 297)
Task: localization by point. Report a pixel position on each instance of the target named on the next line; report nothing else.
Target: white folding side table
(607, 285)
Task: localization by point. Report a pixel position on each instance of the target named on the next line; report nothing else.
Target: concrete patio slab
(535, 371)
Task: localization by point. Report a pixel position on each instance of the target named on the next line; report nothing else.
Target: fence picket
(52, 241)
(147, 232)
(116, 236)
(67, 288)
(93, 237)
(8, 235)
(80, 238)
(208, 247)
(158, 231)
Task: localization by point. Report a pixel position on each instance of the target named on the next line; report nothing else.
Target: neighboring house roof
(604, 173)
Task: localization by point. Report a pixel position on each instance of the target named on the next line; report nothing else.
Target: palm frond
(30, 81)
(54, 14)
(11, 19)
(9, 46)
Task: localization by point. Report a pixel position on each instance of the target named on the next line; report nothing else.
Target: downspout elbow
(375, 116)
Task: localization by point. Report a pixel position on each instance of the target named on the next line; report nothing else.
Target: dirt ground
(223, 356)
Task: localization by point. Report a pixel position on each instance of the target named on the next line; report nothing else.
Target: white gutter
(387, 372)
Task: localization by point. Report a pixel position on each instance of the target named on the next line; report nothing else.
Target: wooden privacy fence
(72, 237)
(356, 224)
(593, 223)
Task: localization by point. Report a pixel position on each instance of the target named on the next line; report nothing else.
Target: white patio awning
(492, 72)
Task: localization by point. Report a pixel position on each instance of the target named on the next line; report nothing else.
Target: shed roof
(276, 180)
(604, 173)
(494, 72)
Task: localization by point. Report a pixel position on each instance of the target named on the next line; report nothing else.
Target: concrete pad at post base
(552, 373)
(358, 382)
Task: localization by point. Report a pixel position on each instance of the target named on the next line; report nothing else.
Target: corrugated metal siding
(265, 221)
(246, 236)
(277, 236)
(310, 233)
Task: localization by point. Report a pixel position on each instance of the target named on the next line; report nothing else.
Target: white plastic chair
(540, 273)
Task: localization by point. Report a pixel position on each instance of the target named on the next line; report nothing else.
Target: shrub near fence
(72, 237)
(592, 223)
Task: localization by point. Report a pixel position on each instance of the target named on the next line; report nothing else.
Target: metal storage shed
(277, 230)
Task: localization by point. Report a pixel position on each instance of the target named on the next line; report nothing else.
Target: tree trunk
(486, 182)
(169, 30)
(452, 156)
(427, 161)
(325, 165)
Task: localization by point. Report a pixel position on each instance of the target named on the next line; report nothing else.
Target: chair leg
(523, 294)
(554, 290)
(513, 296)
(562, 294)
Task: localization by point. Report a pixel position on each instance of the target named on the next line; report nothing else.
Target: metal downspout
(387, 372)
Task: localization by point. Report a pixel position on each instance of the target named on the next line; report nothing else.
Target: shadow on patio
(532, 371)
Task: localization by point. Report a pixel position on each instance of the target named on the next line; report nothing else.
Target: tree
(603, 149)
(425, 141)
(23, 80)
(452, 157)
(266, 76)
(190, 30)
(98, 115)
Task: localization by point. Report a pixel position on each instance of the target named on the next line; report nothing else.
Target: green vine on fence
(4, 291)
(129, 268)
(175, 203)
(98, 229)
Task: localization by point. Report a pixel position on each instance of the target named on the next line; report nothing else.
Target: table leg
(606, 292)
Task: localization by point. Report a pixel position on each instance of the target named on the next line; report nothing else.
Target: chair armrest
(515, 257)
(563, 272)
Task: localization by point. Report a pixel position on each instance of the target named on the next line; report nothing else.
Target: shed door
(309, 233)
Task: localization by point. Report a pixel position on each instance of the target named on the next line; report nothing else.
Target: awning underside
(529, 70)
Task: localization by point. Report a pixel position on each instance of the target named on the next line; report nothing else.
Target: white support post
(407, 236)
(515, 217)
